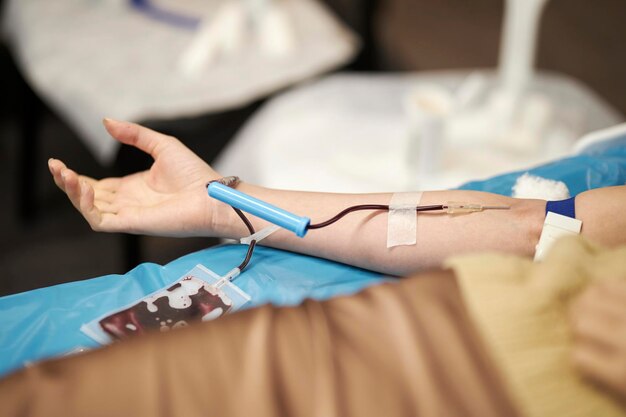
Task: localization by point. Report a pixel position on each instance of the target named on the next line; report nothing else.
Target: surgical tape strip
(402, 219)
(260, 235)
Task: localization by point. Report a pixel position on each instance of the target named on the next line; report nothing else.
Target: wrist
(225, 222)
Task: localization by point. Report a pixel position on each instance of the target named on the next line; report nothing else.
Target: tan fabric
(521, 310)
(401, 349)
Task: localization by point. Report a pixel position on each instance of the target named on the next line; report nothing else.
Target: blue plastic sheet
(45, 322)
(599, 165)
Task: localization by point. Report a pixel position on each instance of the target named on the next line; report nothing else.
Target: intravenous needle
(456, 208)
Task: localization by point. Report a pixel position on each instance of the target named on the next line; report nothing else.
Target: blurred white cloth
(90, 59)
(350, 132)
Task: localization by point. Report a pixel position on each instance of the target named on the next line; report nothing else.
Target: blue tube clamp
(286, 220)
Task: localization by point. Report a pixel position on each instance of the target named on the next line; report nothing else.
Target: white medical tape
(230, 275)
(555, 227)
(402, 219)
(260, 235)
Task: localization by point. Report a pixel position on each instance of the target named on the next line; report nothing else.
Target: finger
(149, 141)
(99, 219)
(100, 193)
(103, 195)
(135, 220)
(112, 222)
(87, 206)
(110, 184)
(104, 188)
(106, 184)
(71, 186)
(56, 167)
(106, 206)
(599, 366)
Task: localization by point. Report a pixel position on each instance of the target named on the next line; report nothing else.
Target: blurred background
(217, 74)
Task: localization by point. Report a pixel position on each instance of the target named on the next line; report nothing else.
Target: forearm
(603, 215)
(169, 199)
(360, 238)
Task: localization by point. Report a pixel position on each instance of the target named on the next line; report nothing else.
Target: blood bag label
(198, 295)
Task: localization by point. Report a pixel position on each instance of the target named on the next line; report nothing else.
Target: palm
(168, 199)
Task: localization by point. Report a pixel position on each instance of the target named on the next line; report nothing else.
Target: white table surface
(348, 133)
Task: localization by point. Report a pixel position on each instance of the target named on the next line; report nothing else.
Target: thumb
(147, 140)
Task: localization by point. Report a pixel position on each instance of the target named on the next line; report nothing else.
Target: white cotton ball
(532, 186)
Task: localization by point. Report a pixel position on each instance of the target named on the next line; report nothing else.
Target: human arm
(170, 199)
(360, 238)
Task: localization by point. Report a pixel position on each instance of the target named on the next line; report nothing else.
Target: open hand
(169, 199)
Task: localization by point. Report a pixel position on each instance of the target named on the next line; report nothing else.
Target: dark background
(44, 241)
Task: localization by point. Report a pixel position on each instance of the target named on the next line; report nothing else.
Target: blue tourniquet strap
(563, 207)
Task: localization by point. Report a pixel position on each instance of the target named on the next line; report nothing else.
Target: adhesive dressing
(402, 219)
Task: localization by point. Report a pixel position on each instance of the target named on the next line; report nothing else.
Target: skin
(170, 200)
